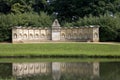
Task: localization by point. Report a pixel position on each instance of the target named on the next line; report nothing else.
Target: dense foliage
(5, 70)
(109, 26)
(71, 10)
(40, 13)
(26, 19)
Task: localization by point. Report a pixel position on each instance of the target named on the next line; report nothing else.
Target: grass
(89, 49)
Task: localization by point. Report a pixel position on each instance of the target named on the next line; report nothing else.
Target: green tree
(71, 10)
(5, 6)
(25, 19)
(21, 6)
(40, 5)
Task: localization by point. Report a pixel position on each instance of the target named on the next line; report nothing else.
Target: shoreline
(63, 56)
(116, 43)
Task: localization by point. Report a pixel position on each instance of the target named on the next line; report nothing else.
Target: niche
(15, 35)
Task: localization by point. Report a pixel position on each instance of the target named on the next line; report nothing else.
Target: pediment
(56, 23)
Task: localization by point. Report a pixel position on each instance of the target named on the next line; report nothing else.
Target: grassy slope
(59, 49)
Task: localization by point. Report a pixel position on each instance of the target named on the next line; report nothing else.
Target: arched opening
(20, 35)
(36, 36)
(80, 36)
(86, 37)
(31, 66)
(63, 35)
(43, 66)
(25, 67)
(69, 36)
(95, 35)
(75, 35)
(31, 36)
(43, 35)
(15, 35)
(63, 65)
(37, 66)
(25, 36)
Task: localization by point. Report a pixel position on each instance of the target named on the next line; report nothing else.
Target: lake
(60, 70)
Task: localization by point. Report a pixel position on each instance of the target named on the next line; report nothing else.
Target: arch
(20, 67)
(37, 66)
(15, 68)
(68, 66)
(63, 35)
(25, 36)
(31, 36)
(15, 35)
(75, 35)
(86, 37)
(42, 35)
(36, 36)
(69, 36)
(43, 66)
(95, 35)
(63, 65)
(31, 66)
(25, 67)
(80, 35)
(20, 35)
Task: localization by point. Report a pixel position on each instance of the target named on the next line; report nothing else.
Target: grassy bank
(10, 60)
(58, 49)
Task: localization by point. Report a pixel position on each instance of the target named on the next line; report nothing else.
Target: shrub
(109, 26)
(25, 19)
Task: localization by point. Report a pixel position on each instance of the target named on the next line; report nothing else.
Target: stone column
(56, 30)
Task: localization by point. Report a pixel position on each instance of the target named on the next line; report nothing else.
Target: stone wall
(56, 33)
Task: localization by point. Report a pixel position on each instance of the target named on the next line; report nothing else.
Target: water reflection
(61, 71)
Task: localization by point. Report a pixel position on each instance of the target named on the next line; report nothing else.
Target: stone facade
(56, 33)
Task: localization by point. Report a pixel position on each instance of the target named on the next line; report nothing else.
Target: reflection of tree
(110, 71)
(5, 70)
(37, 77)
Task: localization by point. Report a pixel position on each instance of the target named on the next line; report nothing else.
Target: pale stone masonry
(56, 33)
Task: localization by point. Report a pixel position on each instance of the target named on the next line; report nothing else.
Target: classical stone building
(56, 33)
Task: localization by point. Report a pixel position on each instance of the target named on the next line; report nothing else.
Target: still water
(60, 71)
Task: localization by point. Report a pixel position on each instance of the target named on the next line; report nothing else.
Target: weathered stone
(56, 33)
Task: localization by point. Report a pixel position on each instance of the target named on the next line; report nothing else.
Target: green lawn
(59, 49)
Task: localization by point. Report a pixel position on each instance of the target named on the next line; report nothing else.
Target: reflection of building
(23, 69)
(56, 33)
(57, 69)
(90, 69)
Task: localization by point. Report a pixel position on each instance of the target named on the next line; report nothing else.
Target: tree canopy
(69, 13)
(21, 6)
(73, 9)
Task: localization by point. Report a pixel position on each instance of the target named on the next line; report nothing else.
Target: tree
(40, 5)
(71, 10)
(4, 6)
(21, 6)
